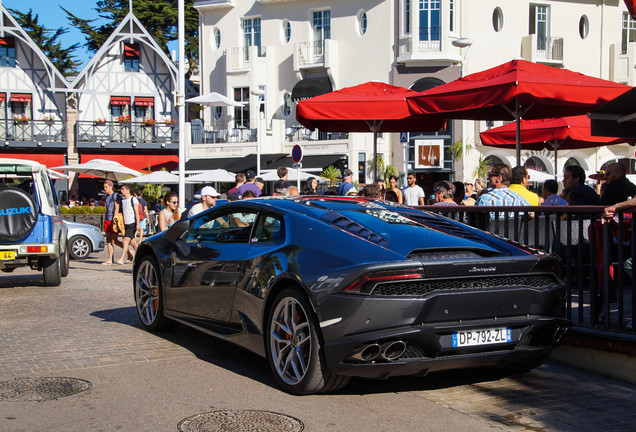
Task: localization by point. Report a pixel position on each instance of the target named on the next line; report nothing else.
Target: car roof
(10, 164)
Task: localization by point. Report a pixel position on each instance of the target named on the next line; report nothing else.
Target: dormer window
(7, 52)
(131, 57)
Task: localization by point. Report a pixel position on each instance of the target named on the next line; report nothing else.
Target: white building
(266, 53)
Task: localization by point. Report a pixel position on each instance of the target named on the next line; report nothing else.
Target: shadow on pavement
(204, 346)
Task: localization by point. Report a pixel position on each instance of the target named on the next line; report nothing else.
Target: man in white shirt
(413, 194)
(130, 209)
(208, 200)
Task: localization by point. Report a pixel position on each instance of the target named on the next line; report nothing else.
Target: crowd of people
(127, 212)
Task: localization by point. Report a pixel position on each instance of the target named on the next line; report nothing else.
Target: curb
(621, 366)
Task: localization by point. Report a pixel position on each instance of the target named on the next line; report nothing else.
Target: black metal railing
(33, 130)
(127, 132)
(595, 255)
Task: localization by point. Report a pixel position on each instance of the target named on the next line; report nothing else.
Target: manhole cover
(40, 389)
(239, 421)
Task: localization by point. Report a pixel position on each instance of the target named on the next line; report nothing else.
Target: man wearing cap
(249, 184)
(208, 200)
(346, 186)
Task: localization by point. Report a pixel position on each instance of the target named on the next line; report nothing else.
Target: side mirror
(177, 230)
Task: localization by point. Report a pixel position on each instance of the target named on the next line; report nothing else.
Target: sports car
(329, 287)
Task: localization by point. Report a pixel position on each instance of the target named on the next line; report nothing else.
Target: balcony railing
(33, 130)
(550, 48)
(126, 132)
(599, 290)
(429, 39)
(310, 53)
(299, 133)
(220, 132)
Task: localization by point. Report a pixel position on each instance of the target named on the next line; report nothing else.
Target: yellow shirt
(531, 197)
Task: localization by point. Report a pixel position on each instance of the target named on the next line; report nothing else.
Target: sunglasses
(492, 175)
(173, 202)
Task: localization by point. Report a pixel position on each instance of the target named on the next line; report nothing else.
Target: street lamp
(463, 43)
(260, 93)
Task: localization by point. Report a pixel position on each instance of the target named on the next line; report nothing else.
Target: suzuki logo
(15, 211)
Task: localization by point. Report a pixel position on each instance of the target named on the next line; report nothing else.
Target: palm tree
(391, 171)
(332, 174)
(483, 166)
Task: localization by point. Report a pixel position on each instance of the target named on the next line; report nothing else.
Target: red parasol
(514, 90)
(371, 107)
(564, 133)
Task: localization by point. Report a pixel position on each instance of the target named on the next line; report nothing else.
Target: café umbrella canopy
(516, 90)
(216, 175)
(103, 168)
(370, 107)
(214, 99)
(157, 177)
(563, 133)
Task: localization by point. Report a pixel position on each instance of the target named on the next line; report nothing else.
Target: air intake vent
(442, 255)
(354, 228)
(447, 226)
(418, 288)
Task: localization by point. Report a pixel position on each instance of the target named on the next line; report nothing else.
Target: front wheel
(294, 350)
(80, 247)
(148, 292)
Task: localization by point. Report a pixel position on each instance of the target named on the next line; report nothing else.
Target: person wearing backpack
(130, 210)
(143, 215)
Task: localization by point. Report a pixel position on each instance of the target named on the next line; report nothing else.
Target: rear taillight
(368, 281)
(37, 249)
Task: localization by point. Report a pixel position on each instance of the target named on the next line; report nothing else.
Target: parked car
(32, 233)
(332, 287)
(83, 239)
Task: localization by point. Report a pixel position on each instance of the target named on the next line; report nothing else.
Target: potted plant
(149, 122)
(48, 119)
(170, 122)
(99, 121)
(21, 119)
(123, 120)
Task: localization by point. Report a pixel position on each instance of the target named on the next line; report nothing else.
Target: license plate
(482, 337)
(7, 255)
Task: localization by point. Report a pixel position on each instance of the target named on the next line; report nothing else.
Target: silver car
(83, 239)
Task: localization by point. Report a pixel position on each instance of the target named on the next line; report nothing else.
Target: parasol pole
(180, 102)
(518, 131)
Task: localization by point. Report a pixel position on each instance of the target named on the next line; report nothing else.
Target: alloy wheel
(290, 340)
(147, 292)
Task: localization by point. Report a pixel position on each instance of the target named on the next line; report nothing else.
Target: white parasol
(157, 177)
(101, 168)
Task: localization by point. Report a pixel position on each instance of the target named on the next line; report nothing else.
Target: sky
(52, 17)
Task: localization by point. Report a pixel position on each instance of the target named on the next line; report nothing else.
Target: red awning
(131, 50)
(20, 97)
(120, 100)
(48, 159)
(3, 96)
(139, 162)
(631, 7)
(8, 42)
(146, 101)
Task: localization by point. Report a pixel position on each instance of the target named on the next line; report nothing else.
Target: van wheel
(52, 271)
(64, 262)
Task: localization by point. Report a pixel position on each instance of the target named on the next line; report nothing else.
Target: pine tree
(47, 40)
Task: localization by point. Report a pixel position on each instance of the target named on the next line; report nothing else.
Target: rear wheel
(80, 247)
(64, 264)
(294, 350)
(148, 292)
(52, 271)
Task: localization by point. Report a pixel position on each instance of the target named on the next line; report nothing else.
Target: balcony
(546, 50)
(241, 59)
(322, 54)
(220, 133)
(33, 133)
(427, 48)
(91, 134)
(203, 5)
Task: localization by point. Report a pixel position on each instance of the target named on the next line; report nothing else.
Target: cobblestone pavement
(89, 324)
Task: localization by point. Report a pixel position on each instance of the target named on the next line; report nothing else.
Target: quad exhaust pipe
(387, 351)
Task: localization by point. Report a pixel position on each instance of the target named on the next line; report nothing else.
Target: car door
(208, 267)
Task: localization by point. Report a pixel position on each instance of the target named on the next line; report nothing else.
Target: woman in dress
(393, 193)
(170, 214)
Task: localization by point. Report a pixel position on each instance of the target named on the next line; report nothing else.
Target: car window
(221, 227)
(269, 230)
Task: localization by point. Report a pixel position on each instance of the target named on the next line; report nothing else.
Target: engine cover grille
(420, 288)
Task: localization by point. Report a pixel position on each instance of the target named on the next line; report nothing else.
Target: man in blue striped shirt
(499, 178)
